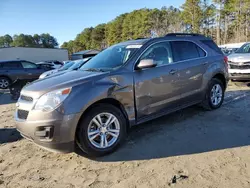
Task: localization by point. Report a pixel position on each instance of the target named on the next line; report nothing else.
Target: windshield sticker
(134, 46)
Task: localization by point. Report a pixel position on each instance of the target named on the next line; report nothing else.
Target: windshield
(78, 64)
(66, 66)
(111, 58)
(244, 49)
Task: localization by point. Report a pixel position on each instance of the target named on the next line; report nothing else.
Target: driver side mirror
(146, 63)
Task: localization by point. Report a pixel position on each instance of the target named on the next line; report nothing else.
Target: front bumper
(239, 74)
(52, 131)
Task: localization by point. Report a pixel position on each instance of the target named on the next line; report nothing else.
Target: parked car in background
(18, 69)
(228, 51)
(46, 66)
(69, 66)
(55, 64)
(125, 85)
(239, 63)
(64, 67)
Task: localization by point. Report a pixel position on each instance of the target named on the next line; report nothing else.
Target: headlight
(52, 100)
(42, 76)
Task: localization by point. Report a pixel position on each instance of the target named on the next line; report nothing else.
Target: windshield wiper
(94, 70)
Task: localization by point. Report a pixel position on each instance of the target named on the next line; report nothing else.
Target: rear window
(184, 50)
(212, 45)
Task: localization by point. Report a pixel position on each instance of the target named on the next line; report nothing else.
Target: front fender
(114, 87)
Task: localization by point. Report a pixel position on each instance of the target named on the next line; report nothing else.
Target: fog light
(45, 133)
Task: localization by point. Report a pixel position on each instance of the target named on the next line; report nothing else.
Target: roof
(170, 36)
(86, 52)
(15, 60)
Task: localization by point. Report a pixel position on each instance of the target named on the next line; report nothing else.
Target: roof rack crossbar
(183, 34)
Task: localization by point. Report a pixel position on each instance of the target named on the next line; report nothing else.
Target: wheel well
(106, 101)
(3, 76)
(222, 78)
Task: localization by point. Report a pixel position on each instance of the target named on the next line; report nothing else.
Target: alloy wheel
(103, 130)
(4, 83)
(216, 94)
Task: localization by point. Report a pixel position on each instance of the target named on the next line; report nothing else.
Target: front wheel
(101, 130)
(214, 95)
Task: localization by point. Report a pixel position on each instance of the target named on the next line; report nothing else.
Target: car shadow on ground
(188, 131)
(5, 97)
(8, 135)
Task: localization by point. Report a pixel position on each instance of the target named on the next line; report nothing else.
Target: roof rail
(183, 34)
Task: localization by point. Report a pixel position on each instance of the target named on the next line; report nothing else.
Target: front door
(32, 72)
(156, 89)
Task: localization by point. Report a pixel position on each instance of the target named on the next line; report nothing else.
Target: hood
(51, 83)
(48, 73)
(57, 73)
(239, 57)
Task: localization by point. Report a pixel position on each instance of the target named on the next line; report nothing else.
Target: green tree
(48, 41)
(98, 37)
(83, 40)
(208, 16)
(5, 41)
(70, 46)
(114, 30)
(192, 15)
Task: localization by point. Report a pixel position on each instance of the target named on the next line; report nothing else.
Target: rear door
(31, 70)
(191, 62)
(12, 69)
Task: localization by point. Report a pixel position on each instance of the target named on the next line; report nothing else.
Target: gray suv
(127, 84)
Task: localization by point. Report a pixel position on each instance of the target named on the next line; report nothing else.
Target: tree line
(44, 40)
(225, 21)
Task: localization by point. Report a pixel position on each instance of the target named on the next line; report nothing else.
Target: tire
(87, 127)
(208, 103)
(4, 82)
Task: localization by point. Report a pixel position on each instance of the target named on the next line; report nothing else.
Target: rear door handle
(172, 71)
(205, 63)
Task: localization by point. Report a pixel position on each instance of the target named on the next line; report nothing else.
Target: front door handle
(172, 71)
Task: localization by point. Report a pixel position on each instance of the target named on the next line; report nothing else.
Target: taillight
(226, 60)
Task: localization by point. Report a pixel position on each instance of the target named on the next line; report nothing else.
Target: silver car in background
(239, 63)
(69, 66)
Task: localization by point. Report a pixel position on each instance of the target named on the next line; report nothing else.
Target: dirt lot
(199, 148)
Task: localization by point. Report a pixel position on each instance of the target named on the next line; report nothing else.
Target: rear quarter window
(211, 44)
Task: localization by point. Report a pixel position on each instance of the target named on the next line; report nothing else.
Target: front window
(244, 49)
(111, 58)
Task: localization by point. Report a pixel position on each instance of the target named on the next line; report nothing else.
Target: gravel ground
(190, 148)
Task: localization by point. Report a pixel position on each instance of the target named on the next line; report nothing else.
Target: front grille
(26, 98)
(242, 75)
(22, 114)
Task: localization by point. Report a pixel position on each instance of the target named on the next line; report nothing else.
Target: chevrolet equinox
(126, 84)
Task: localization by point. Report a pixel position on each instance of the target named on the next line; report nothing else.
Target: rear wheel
(4, 82)
(214, 95)
(101, 130)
